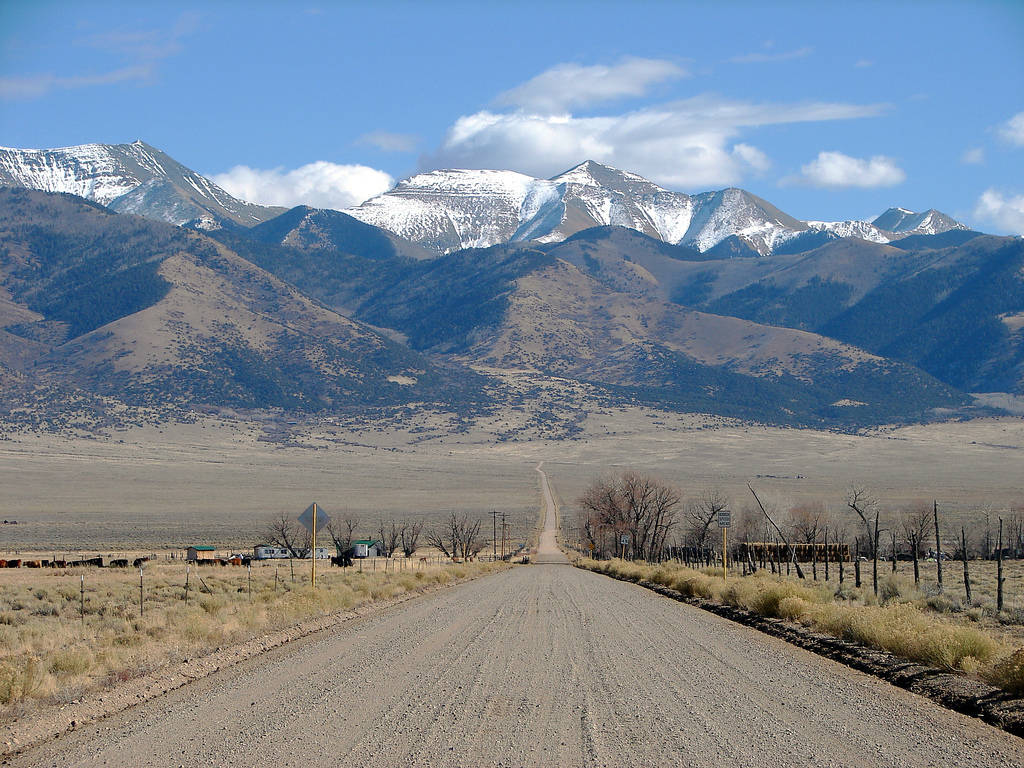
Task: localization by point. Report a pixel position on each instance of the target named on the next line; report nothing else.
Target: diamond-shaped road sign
(306, 518)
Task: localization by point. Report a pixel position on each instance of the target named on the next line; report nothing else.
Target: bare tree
(603, 513)
(458, 537)
(285, 531)
(410, 536)
(869, 511)
(915, 522)
(807, 521)
(389, 534)
(781, 535)
(703, 512)
(343, 537)
(632, 503)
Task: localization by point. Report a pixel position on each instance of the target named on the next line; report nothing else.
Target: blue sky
(830, 110)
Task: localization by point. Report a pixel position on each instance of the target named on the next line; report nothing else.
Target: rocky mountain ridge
(449, 210)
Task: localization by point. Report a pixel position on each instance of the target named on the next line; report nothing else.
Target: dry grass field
(67, 631)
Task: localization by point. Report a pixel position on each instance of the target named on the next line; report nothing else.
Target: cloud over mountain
(567, 86)
(680, 144)
(1005, 211)
(834, 170)
(320, 184)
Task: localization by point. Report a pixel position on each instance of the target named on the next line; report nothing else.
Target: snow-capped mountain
(130, 178)
(445, 211)
(449, 210)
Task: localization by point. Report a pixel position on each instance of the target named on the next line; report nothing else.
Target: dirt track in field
(544, 665)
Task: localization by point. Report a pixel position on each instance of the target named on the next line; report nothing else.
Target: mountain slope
(537, 311)
(130, 178)
(952, 311)
(152, 313)
(315, 229)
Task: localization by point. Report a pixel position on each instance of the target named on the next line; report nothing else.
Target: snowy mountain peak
(449, 210)
(129, 178)
(905, 222)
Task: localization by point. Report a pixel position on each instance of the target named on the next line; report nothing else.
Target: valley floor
(220, 481)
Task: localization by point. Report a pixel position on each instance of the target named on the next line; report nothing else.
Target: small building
(366, 548)
(269, 552)
(200, 552)
(274, 552)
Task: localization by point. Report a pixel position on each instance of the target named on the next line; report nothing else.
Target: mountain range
(715, 303)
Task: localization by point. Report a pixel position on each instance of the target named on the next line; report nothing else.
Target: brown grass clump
(1007, 673)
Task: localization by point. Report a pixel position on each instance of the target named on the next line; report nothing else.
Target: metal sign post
(313, 519)
(724, 519)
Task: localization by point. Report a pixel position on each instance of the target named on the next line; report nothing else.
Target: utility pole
(494, 534)
(503, 527)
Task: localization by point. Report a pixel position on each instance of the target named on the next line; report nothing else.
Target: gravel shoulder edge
(953, 691)
(49, 722)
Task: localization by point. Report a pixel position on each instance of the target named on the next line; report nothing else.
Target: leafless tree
(915, 522)
(1015, 531)
(389, 534)
(410, 536)
(632, 503)
(285, 531)
(807, 521)
(343, 536)
(778, 531)
(458, 537)
(702, 513)
(860, 500)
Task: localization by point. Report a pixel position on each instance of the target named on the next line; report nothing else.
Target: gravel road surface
(542, 665)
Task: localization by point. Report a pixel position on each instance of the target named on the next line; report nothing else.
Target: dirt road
(543, 665)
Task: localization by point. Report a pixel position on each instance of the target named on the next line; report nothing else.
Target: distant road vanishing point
(541, 665)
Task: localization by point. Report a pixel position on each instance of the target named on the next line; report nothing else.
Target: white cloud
(974, 156)
(1012, 131)
(684, 144)
(320, 185)
(753, 157)
(1006, 212)
(834, 170)
(566, 86)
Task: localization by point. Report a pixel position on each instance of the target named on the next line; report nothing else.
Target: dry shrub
(74, 661)
(795, 608)
(694, 584)
(19, 679)
(1007, 673)
(770, 595)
